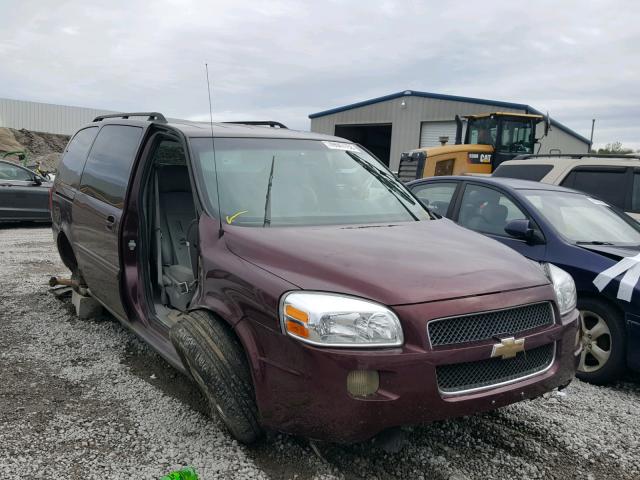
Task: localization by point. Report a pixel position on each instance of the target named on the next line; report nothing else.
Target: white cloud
(281, 59)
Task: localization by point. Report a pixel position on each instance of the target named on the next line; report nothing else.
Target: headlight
(564, 287)
(333, 320)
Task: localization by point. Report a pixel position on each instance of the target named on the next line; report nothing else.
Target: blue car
(599, 245)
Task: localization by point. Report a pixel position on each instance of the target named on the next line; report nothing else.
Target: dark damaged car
(299, 284)
(596, 243)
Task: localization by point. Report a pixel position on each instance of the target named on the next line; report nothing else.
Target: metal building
(406, 120)
(45, 117)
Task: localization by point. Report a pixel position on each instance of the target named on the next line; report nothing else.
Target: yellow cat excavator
(490, 139)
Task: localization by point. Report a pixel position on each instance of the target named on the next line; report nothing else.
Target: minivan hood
(397, 264)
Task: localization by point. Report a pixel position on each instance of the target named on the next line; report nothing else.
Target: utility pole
(593, 123)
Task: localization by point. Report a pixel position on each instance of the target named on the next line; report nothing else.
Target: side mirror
(520, 229)
(37, 181)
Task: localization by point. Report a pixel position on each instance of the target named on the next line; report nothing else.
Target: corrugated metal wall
(45, 117)
(406, 120)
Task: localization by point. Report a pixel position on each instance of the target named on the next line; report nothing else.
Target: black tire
(615, 344)
(217, 362)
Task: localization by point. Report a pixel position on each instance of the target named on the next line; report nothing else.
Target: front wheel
(603, 342)
(217, 362)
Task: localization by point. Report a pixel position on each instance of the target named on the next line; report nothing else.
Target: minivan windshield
(281, 182)
(583, 219)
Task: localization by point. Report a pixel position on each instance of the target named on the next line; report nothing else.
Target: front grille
(483, 326)
(494, 371)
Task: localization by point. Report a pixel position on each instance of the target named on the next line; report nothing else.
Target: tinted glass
(523, 172)
(437, 197)
(635, 198)
(487, 210)
(72, 163)
(13, 172)
(106, 173)
(608, 185)
(482, 131)
(580, 218)
(281, 182)
(516, 137)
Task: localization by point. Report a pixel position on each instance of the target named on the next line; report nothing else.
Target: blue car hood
(612, 251)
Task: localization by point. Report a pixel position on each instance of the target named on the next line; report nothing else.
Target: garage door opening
(375, 138)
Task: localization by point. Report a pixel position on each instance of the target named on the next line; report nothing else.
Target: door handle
(110, 222)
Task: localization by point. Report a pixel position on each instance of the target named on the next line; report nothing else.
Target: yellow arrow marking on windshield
(231, 218)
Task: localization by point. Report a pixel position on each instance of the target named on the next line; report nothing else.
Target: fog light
(361, 383)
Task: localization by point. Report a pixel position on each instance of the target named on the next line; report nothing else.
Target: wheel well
(601, 299)
(242, 333)
(66, 252)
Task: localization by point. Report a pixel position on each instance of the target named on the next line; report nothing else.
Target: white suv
(614, 179)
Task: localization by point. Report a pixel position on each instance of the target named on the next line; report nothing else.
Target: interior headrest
(495, 214)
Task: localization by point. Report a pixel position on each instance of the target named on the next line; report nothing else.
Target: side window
(436, 196)
(635, 194)
(609, 185)
(487, 210)
(523, 172)
(75, 155)
(106, 173)
(13, 172)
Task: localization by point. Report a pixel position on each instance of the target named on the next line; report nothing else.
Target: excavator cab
(490, 139)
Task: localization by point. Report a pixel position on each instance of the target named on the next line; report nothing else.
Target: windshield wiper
(593, 242)
(267, 201)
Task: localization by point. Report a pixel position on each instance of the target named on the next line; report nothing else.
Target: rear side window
(635, 196)
(72, 163)
(609, 185)
(523, 172)
(106, 173)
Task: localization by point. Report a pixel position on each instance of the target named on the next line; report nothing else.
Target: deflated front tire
(216, 361)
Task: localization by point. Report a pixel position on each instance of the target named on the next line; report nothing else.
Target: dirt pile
(42, 148)
(8, 142)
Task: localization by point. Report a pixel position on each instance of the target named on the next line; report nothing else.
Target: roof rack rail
(151, 116)
(577, 155)
(266, 123)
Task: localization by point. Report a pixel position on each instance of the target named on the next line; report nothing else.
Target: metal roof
(451, 98)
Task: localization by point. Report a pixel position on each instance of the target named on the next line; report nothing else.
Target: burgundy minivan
(299, 283)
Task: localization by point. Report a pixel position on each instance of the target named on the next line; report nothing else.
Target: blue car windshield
(583, 219)
(266, 182)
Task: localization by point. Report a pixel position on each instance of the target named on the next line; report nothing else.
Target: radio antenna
(213, 150)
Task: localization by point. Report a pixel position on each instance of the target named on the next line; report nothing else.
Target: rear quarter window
(607, 183)
(108, 167)
(75, 156)
(523, 172)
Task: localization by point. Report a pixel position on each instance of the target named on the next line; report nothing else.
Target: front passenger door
(436, 196)
(488, 210)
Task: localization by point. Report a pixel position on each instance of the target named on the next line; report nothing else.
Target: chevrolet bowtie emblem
(508, 348)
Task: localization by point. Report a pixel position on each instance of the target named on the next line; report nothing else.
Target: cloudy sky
(282, 59)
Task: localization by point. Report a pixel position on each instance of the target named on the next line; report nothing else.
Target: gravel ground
(85, 399)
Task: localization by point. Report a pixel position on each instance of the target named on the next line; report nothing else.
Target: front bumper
(301, 389)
